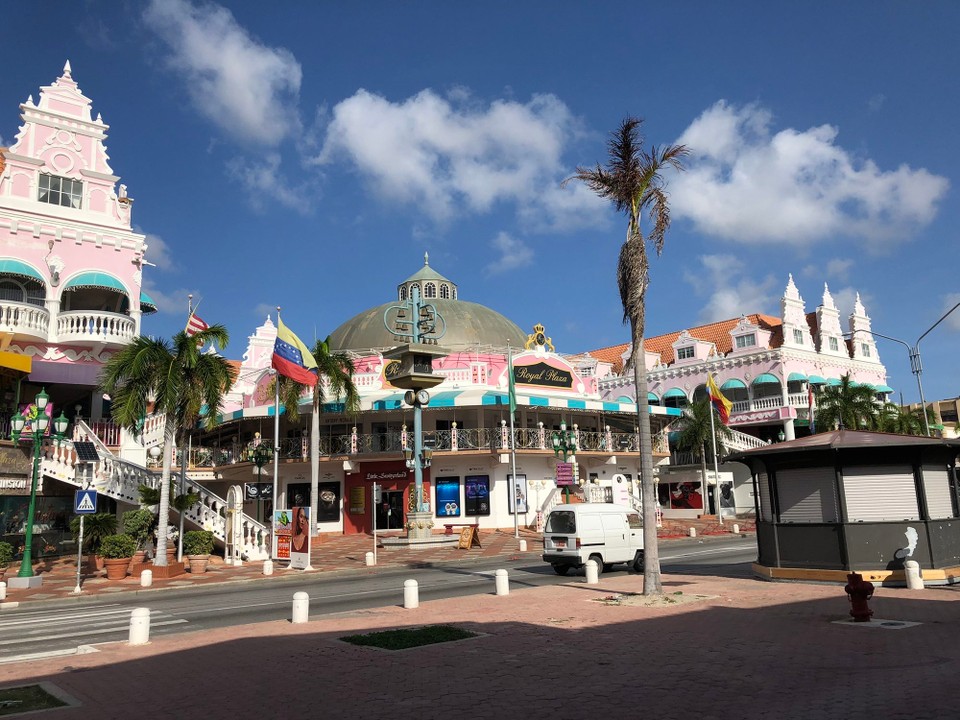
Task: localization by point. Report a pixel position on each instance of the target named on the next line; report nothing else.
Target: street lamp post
(259, 454)
(564, 443)
(916, 365)
(25, 578)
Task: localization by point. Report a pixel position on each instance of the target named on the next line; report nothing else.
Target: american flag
(195, 325)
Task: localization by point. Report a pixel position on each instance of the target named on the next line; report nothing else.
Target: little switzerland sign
(543, 375)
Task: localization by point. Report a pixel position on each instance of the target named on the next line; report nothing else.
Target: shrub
(198, 542)
(95, 528)
(138, 524)
(118, 546)
(6, 554)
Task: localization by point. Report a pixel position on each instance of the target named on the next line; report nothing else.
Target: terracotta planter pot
(139, 557)
(198, 563)
(116, 568)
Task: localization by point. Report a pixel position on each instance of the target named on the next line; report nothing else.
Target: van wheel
(599, 561)
(561, 569)
(638, 562)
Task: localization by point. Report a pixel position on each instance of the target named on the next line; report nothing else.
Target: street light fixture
(260, 453)
(916, 366)
(38, 428)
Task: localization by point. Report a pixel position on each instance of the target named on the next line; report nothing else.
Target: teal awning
(95, 280)
(834, 382)
(816, 380)
(796, 377)
(733, 384)
(147, 305)
(651, 397)
(765, 379)
(393, 402)
(883, 389)
(627, 398)
(674, 393)
(443, 399)
(9, 266)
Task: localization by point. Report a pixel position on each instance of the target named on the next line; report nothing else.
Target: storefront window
(51, 527)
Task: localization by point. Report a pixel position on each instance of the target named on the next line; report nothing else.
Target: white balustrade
(24, 318)
(90, 325)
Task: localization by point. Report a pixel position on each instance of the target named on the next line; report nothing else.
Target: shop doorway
(390, 510)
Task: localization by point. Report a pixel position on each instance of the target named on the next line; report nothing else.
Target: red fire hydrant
(858, 592)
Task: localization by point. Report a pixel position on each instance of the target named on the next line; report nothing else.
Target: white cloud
(731, 288)
(448, 155)
(263, 181)
(173, 302)
(513, 254)
(248, 89)
(839, 268)
(953, 319)
(158, 252)
(797, 187)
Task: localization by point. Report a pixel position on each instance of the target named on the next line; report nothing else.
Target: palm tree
(896, 419)
(632, 181)
(847, 405)
(695, 437)
(180, 381)
(336, 372)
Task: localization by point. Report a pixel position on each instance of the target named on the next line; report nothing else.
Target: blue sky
(307, 154)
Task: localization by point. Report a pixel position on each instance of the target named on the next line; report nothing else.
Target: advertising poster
(328, 502)
(282, 524)
(300, 538)
(358, 500)
(477, 491)
(30, 413)
(517, 492)
(448, 497)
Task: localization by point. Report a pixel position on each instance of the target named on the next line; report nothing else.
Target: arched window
(413, 287)
(13, 291)
(444, 292)
(403, 292)
(430, 290)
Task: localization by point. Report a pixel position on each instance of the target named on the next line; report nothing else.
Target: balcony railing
(93, 326)
(24, 319)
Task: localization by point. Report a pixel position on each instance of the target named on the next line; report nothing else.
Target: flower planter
(198, 563)
(116, 568)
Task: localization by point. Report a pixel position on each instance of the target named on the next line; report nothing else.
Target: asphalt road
(60, 629)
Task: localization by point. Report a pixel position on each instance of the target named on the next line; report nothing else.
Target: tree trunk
(705, 509)
(314, 463)
(163, 516)
(651, 552)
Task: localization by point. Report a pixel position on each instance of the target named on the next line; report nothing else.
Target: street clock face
(423, 397)
(409, 397)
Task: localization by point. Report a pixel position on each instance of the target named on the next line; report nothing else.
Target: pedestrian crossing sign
(85, 502)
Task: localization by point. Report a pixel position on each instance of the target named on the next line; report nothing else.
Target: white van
(603, 532)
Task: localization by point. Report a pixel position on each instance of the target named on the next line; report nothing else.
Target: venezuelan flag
(291, 358)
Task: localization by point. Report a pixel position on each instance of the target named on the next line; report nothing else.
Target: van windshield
(561, 521)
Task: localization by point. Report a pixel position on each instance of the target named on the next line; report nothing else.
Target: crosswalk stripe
(73, 617)
(98, 631)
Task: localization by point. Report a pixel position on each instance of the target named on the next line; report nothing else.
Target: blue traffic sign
(85, 502)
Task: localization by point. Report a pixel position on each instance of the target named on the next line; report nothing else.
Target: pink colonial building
(765, 365)
(70, 265)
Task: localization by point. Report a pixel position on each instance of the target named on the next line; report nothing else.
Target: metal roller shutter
(878, 493)
(807, 495)
(763, 487)
(936, 485)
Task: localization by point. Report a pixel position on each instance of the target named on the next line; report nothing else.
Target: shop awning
(816, 380)
(95, 280)
(734, 384)
(392, 402)
(674, 393)
(147, 305)
(765, 379)
(651, 397)
(883, 389)
(443, 399)
(833, 382)
(9, 266)
(16, 361)
(44, 371)
(796, 377)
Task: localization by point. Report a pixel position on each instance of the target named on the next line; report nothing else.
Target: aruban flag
(513, 389)
(292, 359)
(719, 401)
(195, 325)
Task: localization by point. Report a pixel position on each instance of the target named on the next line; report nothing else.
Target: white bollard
(368, 558)
(3, 591)
(411, 594)
(693, 532)
(592, 572)
(914, 578)
(301, 608)
(268, 567)
(146, 578)
(140, 626)
(523, 546)
(736, 529)
(503, 582)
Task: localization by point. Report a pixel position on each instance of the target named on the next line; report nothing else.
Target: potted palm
(117, 551)
(6, 555)
(95, 528)
(197, 546)
(138, 524)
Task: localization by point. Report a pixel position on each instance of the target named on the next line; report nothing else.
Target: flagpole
(513, 447)
(276, 449)
(186, 458)
(716, 475)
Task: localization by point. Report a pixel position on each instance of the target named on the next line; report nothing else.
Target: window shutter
(807, 495)
(878, 493)
(936, 485)
(763, 487)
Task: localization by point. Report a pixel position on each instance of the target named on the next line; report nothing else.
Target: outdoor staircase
(737, 441)
(121, 480)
